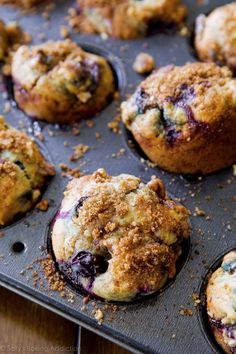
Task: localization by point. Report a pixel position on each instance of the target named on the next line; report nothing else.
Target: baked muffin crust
(23, 173)
(126, 19)
(215, 38)
(59, 82)
(184, 118)
(116, 237)
(221, 299)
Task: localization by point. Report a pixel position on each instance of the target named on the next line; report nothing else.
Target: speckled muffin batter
(215, 38)
(127, 19)
(59, 82)
(184, 118)
(23, 173)
(27, 4)
(116, 237)
(221, 303)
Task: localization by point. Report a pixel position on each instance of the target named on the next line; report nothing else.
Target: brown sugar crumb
(199, 212)
(64, 32)
(98, 135)
(89, 123)
(70, 172)
(196, 299)
(185, 312)
(79, 152)
(114, 125)
(56, 283)
(43, 205)
(1, 234)
(76, 129)
(144, 63)
(99, 316)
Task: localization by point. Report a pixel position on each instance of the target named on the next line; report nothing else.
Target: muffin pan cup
(155, 324)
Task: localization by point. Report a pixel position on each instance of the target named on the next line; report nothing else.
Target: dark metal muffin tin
(153, 325)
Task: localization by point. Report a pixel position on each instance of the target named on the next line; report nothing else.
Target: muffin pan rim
(163, 344)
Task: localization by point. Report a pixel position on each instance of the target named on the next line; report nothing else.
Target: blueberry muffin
(221, 303)
(126, 19)
(23, 173)
(184, 118)
(26, 4)
(59, 82)
(116, 237)
(215, 38)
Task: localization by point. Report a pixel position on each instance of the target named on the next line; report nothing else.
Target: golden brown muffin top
(195, 92)
(136, 223)
(216, 36)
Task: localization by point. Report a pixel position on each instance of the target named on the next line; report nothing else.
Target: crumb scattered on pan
(114, 124)
(70, 172)
(185, 312)
(199, 212)
(43, 205)
(99, 316)
(64, 32)
(144, 63)
(1, 234)
(79, 152)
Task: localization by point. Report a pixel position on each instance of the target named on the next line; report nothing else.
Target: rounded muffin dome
(116, 238)
(215, 36)
(184, 118)
(221, 300)
(59, 82)
(23, 173)
(127, 19)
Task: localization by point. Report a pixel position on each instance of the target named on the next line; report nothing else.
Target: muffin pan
(167, 322)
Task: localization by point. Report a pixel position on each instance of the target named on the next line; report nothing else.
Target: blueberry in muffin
(184, 118)
(215, 36)
(59, 82)
(116, 237)
(221, 303)
(126, 19)
(23, 173)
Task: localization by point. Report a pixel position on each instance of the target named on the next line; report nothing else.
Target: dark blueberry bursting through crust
(79, 205)
(83, 264)
(141, 100)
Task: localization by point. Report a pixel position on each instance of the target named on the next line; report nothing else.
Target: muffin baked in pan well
(116, 238)
(127, 19)
(215, 36)
(23, 173)
(59, 82)
(184, 118)
(221, 300)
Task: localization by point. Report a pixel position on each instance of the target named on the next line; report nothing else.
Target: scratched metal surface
(153, 325)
